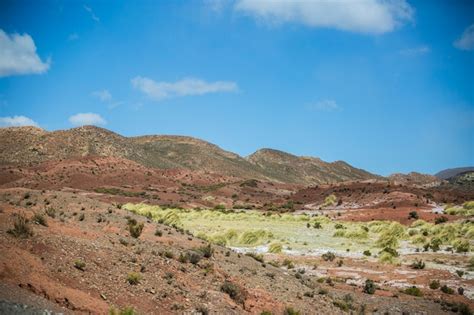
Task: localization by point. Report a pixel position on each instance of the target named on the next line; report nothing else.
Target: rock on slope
(24, 145)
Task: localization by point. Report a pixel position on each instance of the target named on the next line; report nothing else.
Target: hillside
(414, 178)
(452, 172)
(286, 167)
(26, 145)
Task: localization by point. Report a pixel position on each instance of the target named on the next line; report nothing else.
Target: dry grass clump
(21, 227)
(275, 248)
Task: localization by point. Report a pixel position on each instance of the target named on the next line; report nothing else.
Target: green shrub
(275, 248)
(369, 287)
(317, 225)
(21, 227)
(329, 201)
(158, 232)
(441, 219)
(461, 246)
(134, 278)
(367, 253)
(434, 285)
(233, 291)
(194, 257)
(390, 235)
(413, 291)
(413, 215)
(446, 289)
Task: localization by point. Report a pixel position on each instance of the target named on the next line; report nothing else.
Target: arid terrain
(92, 222)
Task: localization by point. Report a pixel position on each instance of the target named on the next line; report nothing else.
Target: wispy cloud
(325, 106)
(16, 121)
(92, 14)
(466, 41)
(185, 87)
(103, 95)
(82, 119)
(415, 51)
(73, 37)
(18, 56)
(362, 16)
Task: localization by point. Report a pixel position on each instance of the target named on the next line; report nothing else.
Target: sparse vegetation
(79, 264)
(21, 227)
(134, 278)
(40, 219)
(413, 291)
(369, 287)
(233, 291)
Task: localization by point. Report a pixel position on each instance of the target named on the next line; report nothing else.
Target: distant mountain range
(452, 172)
(26, 145)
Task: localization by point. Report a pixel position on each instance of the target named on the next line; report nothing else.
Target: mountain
(289, 168)
(414, 178)
(452, 172)
(27, 145)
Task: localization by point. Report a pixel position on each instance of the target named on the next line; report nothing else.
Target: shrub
(413, 215)
(338, 226)
(317, 225)
(206, 251)
(367, 253)
(446, 289)
(462, 246)
(291, 311)
(461, 291)
(434, 285)
(390, 235)
(82, 216)
(38, 218)
(158, 232)
(193, 257)
(441, 219)
(460, 273)
(329, 201)
(418, 264)
(369, 287)
(79, 264)
(21, 227)
(134, 278)
(329, 256)
(135, 228)
(275, 248)
(233, 291)
(413, 291)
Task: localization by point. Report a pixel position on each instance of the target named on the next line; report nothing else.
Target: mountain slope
(290, 168)
(452, 172)
(26, 145)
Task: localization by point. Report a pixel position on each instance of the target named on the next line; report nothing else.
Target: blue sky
(387, 86)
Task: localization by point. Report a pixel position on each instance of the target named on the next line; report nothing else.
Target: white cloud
(18, 55)
(325, 105)
(466, 41)
(91, 12)
(188, 86)
(362, 16)
(103, 95)
(415, 51)
(73, 36)
(17, 121)
(82, 119)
